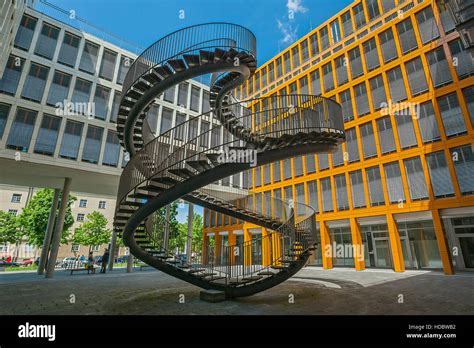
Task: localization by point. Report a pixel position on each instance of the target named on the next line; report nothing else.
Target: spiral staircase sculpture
(165, 168)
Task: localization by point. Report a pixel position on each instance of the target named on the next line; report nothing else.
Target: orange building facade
(399, 193)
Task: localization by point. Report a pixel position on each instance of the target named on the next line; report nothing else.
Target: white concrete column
(189, 240)
(130, 262)
(48, 233)
(56, 239)
(112, 248)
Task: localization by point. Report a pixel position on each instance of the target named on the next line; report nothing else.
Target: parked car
(4, 263)
(97, 259)
(69, 262)
(121, 259)
(27, 262)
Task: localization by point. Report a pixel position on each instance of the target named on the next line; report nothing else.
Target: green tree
(34, 217)
(93, 231)
(197, 233)
(10, 231)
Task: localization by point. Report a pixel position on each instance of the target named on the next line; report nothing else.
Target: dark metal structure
(165, 168)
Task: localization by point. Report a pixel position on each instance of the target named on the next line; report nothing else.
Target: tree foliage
(34, 217)
(93, 231)
(10, 231)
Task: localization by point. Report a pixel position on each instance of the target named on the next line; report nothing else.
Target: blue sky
(145, 21)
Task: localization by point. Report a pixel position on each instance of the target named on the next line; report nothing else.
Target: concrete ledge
(212, 295)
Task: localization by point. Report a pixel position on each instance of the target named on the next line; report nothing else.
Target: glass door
(382, 254)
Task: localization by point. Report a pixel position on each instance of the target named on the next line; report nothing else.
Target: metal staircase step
(196, 270)
(165, 180)
(151, 77)
(205, 57)
(177, 64)
(163, 71)
(191, 60)
(279, 267)
(266, 273)
(152, 188)
(252, 278)
(213, 158)
(142, 85)
(200, 165)
(218, 55)
(184, 173)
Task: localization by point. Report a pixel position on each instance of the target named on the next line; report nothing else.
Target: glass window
(25, 32)
(276, 171)
(323, 161)
(427, 25)
(193, 130)
(101, 102)
(279, 68)
(463, 159)
(204, 134)
(115, 106)
(215, 136)
(359, 15)
(445, 16)
(83, 203)
(352, 146)
(387, 5)
(286, 58)
(427, 123)
(406, 36)
(183, 95)
(396, 85)
(335, 31)
(324, 36)
(180, 131)
(368, 141)
(313, 39)
(21, 130)
(346, 105)
(373, 8)
(107, 69)
(11, 75)
(304, 50)
(393, 179)
(341, 70)
(166, 120)
(125, 63)
(271, 71)
(195, 95)
(375, 186)
(327, 195)
(152, 117)
(300, 200)
(295, 57)
(328, 77)
(357, 189)
(69, 50)
(355, 63)
(371, 55)
(35, 83)
(287, 169)
(313, 195)
(347, 23)
(112, 150)
(379, 98)
(81, 95)
(310, 164)
(47, 135)
(304, 85)
(4, 111)
(266, 174)
(362, 102)
(416, 76)
(341, 192)
(298, 165)
(387, 44)
(47, 40)
(59, 89)
(406, 131)
(469, 99)
(385, 131)
(89, 58)
(169, 95)
(439, 69)
(92, 144)
(71, 140)
(416, 178)
(315, 82)
(337, 158)
(206, 106)
(451, 115)
(439, 174)
(462, 59)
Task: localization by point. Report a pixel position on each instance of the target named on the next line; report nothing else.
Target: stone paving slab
(152, 292)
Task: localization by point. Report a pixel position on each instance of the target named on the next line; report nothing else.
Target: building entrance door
(462, 239)
(382, 254)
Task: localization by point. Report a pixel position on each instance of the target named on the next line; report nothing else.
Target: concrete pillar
(113, 244)
(357, 247)
(166, 235)
(442, 243)
(130, 263)
(56, 238)
(49, 233)
(395, 244)
(189, 240)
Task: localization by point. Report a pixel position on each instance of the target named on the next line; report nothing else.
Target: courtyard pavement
(312, 291)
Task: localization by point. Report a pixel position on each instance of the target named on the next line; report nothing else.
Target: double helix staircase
(165, 168)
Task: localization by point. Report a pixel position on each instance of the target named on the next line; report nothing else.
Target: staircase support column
(129, 262)
(189, 240)
(56, 238)
(49, 233)
(113, 244)
(166, 236)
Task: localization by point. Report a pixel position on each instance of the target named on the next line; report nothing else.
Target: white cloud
(295, 6)
(288, 31)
